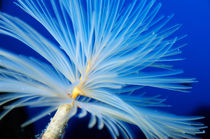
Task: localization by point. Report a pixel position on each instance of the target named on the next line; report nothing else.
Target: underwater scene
(104, 69)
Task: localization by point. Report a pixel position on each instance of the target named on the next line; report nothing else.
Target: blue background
(195, 17)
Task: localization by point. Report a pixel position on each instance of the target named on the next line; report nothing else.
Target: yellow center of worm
(76, 92)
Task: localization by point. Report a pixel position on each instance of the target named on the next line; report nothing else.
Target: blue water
(195, 17)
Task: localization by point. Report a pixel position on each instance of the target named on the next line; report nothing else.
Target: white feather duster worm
(103, 51)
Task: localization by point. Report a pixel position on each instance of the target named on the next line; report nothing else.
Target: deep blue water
(195, 17)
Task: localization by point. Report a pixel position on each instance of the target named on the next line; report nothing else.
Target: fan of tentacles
(102, 52)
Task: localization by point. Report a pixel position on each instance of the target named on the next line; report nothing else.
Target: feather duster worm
(103, 51)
